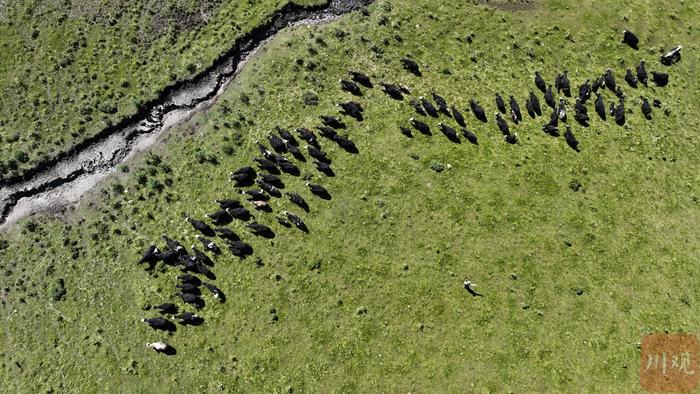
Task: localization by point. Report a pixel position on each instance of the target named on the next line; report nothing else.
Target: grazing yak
(161, 347)
(350, 87)
(515, 113)
(550, 129)
(581, 113)
(411, 66)
(406, 131)
(239, 248)
(242, 213)
(600, 106)
(423, 128)
(327, 132)
(189, 319)
(672, 56)
(294, 150)
(619, 93)
(269, 188)
(659, 78)
(610, 80)
(253, 195)
(286, 136)
(189, 288)
(261, 230)
(220, 217)
(418, 107)
(267, 165)
(208, 244)
(319, 191)
(561, 110)
(529, 108)
(478, 111)
(215, 291)
(631, 79)
(511, 138)
(296, 220)
(324, 168)
(277, 143)
(471, 137)
(318, 154)
(571, 139)
(160, 323)
(630, 39)
(642, 75)
(450, 133)
(562, 84)
(150, 256)
(281, 219)
(332, 121)
(173, 244)
(441, 103)
(500, 104)
(226, 234)
(535, 104)
(620, 113)
(167, 308)
(540, 83)
(201, 227)
(646, 108)
(346, 144)
(458, 117)
(287, 167)
(273, 180)
(393, 91)
(191, 299)
(307, 135)
(584, 91)
(428, 106)
(298, 201)
(243, 176)
(187, 278)
(598, 84)
(352, 109)
(266, 153)
(549, 98)
(502, 124)
(201, 257)
(360, 78)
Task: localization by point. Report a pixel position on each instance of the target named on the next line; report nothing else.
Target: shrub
(437, 166)
(58, 292)
(310, 98)
(117, 188)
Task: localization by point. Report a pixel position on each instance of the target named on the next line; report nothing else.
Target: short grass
(371, 299)
(69, 69)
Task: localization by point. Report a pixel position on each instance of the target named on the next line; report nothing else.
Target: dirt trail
(67, 177)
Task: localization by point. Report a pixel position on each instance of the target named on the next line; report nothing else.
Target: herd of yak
(424, 107)
(263, 180)
(258, 184)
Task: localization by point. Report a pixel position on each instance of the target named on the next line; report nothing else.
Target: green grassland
(371, 300)
(69, 69)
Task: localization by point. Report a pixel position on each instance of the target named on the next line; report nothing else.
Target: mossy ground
(371, 299)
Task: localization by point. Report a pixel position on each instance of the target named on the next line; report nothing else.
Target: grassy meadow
(70, 69)
(578, 255)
